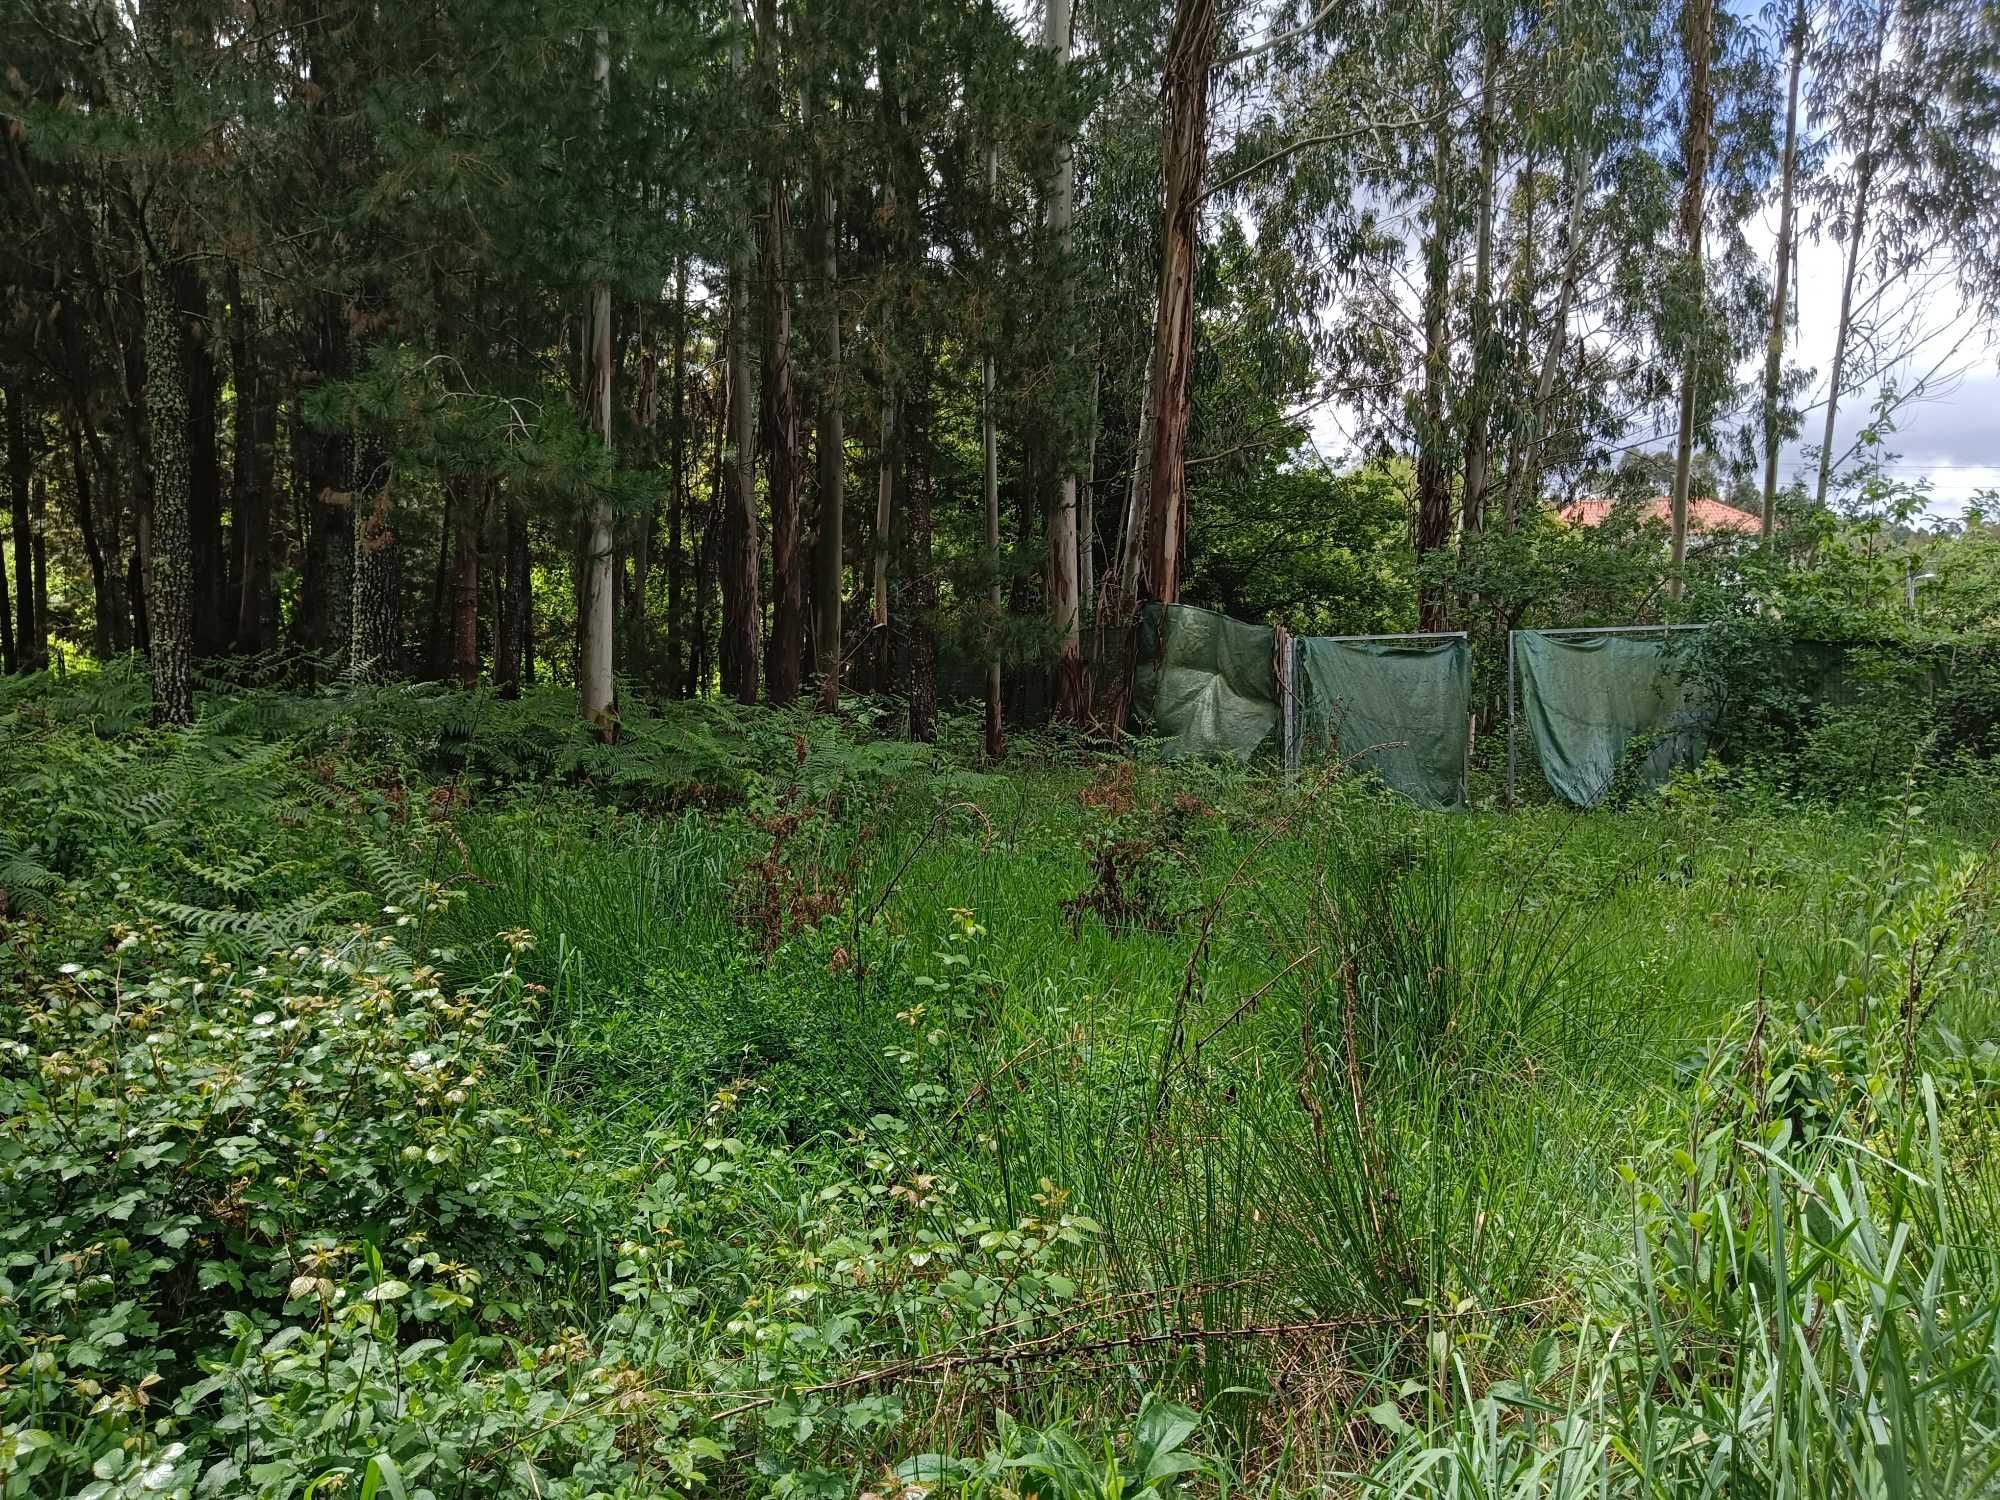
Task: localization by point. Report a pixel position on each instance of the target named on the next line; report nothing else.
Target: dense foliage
(404, 1098)
(726, 350)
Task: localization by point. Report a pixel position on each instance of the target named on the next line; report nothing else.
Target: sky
(1953, 438)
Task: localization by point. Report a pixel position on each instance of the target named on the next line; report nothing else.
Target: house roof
(1711, 517)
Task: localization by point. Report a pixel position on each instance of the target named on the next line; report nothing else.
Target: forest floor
(404, 1093)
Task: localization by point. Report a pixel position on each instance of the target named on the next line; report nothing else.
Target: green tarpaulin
(1397, 707)
(1207, 683)
(1587, 698)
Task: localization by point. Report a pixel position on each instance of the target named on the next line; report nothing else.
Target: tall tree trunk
(1698, 20)
(467, 521)
(1184, 160)
(1058, 430)
(881, 543)
(510, 648)
(780, 408)
(106, 604)
(1486, 357)
(1774, 349)
(375, 628)
(170, 588)
(1138, 501)
(437, 635)
(889, 447)
(212, 618)
(989, 485)
(1433, 530)
(702, 664)
(251, 500)
(636, 628)
(742, 605)
(1865, 162)
(831, 443)
(10, 660)
(922, 590)
(594, 680)
(1086, 507)
(24, 655)
(677, 498)
(1524, 458)
(39, 520)
(327, 603)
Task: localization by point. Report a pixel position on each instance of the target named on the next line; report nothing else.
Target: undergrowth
(407, 1094)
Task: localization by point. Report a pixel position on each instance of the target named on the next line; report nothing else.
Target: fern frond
(282, 927)
(26, 884)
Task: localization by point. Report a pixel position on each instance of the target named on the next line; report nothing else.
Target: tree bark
(1486, 360)
(25, 653)
(1138, 501)
(512, 626)
(170, 587)
(1433, 530)
(251, 501)
(212, 619)
(1864, 183)
(375, 630)
(437, 634)
(635, 625)
(105, 604)
(1524, 459)
(1698, 19)
(10, 660)
(1086, 505)
(779, 407)
(1774, 351)
(742, 606)
(467, 507)
(595, 683)
(989, 485)
(1059, 426)
(677, 480)
(922, 590)
(327, 605)
(39, 521)
(1184, 158)
(831, 443)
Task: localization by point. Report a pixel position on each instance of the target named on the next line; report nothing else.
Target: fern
(283, 927)
(27, 885)
(237, 875)
(399, 884)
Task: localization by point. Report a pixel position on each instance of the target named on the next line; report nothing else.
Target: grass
(1370, 1075)
(1641, 1153)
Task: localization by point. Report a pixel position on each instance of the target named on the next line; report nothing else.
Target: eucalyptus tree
(1064, 596)
(1798, 28)
(1904, 94)
(1697, 127)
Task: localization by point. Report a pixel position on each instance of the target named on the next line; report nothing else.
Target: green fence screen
(1207, 683)
(1587, 698)
(1397, 707)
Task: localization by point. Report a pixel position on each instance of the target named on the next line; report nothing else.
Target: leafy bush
(275, 1223)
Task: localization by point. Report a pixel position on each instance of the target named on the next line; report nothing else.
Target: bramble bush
(274, 1223)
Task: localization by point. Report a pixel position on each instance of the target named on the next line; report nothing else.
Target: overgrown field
(404, 1096)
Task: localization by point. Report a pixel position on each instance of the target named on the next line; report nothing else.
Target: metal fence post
(1510, 720)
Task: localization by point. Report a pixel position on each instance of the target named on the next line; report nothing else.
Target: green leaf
(382, 1474)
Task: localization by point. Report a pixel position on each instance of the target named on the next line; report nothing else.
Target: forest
(1000, 750)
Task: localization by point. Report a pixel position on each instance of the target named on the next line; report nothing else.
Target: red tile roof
(1709, 516)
